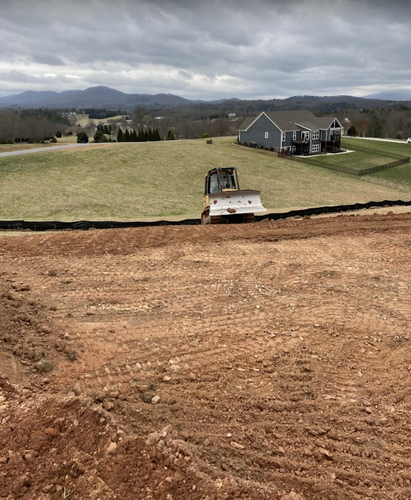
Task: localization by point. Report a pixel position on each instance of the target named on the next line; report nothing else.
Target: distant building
(299, 132)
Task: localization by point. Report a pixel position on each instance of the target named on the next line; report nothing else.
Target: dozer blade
(243, 201)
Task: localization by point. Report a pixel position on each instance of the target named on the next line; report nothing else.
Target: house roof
(287, 121)
(247, 122)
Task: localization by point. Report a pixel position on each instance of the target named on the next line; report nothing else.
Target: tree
(362, 126)
(376, 126)
(120, 137)
(82, 137)
(99, 136)
(170, 136)
(352, 131)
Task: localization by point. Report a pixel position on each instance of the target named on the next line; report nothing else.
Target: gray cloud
(209, 50)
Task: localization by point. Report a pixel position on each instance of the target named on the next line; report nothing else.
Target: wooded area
(195, 120)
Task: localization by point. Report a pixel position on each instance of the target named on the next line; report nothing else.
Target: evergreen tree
(352, 131)
(99, 136)
(120, 137)
(126, 136)
(82, 137)
(134, 136)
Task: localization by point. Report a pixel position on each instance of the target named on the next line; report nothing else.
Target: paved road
(398, 141)
(50, 148)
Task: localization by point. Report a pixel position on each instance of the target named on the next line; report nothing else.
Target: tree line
(104, 134)
(143, 135)
(379, 122)
(31, 125)
(195, 120)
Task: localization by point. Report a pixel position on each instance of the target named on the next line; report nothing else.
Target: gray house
(299, 132)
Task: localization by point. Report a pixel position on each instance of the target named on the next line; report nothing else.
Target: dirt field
(259, 361)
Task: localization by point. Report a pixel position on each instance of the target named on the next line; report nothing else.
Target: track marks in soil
(281, 361)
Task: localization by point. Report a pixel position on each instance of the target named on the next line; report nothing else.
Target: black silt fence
(83, 225)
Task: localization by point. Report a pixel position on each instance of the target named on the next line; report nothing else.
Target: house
(299, 132)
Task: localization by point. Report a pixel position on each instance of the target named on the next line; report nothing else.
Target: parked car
(409, 140)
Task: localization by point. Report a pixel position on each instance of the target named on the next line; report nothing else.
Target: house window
(316, 136)
(305, 136)
(283, 137)
(315, 148)
(266, 135)
(294, 135)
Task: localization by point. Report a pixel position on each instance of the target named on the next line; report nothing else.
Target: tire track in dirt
(280, 360)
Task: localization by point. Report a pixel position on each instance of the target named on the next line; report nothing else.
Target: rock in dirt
(112, 448)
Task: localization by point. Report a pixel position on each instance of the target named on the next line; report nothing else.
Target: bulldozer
(225, 202)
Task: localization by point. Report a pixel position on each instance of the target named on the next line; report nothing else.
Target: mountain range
(93, 97)
(105, 97)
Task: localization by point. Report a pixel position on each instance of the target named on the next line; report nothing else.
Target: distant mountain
(105, 97)
(93, 97)
(27, 98)
(394, 95)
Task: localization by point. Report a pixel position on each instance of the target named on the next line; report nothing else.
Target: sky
(255, 49)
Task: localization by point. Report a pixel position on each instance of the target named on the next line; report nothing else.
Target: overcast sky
(207, 50)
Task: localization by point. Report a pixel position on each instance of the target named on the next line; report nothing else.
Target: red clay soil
(255, 361)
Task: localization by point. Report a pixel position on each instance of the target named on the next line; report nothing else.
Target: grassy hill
(161, 180)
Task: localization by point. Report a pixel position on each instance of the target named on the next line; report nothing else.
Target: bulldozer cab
(221, 179)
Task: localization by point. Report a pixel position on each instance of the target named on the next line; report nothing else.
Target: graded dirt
(256, 361)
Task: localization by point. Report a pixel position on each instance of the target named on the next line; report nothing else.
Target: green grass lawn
(380, 146)
(361, 155)
(161, 180)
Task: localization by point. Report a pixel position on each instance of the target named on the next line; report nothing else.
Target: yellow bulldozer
(225, 202)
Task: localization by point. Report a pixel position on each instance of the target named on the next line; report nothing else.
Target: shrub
(82, 138)
(99, 136)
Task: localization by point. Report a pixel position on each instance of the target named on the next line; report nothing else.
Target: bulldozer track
(279, 351)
